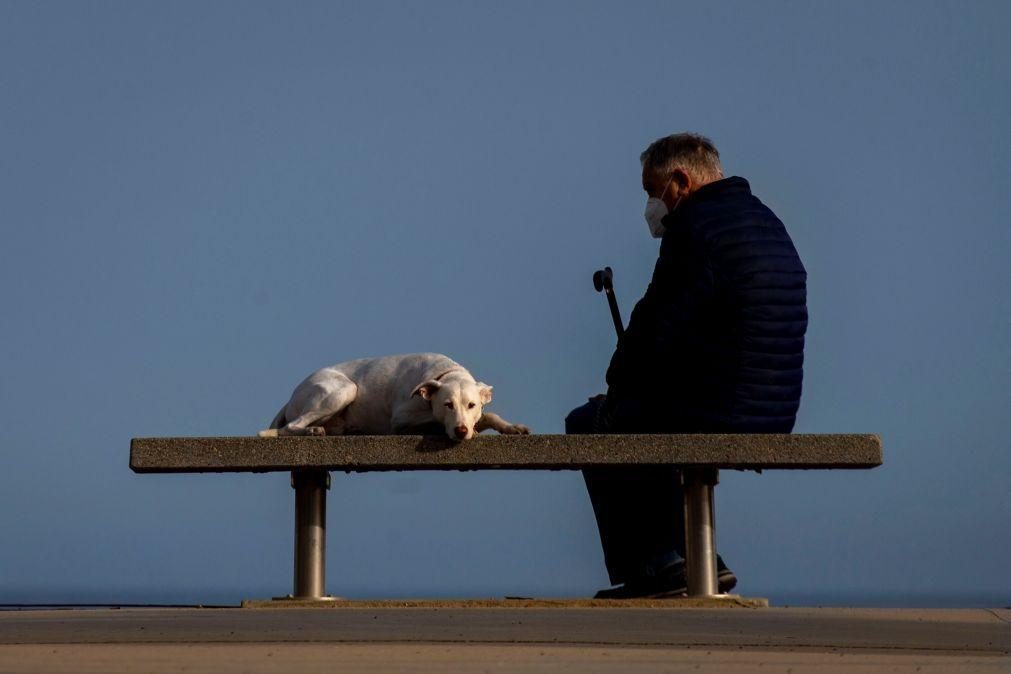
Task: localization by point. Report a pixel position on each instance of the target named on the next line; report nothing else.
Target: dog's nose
(461, 431)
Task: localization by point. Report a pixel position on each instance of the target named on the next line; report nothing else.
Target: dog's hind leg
(271, 431)
(318, 402)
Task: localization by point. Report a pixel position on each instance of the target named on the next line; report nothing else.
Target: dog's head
(456, 404)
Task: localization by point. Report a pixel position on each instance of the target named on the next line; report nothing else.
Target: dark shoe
(670, 583)
(627, 591)
(726, 580)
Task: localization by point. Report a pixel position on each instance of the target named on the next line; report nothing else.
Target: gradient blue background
(202, 202)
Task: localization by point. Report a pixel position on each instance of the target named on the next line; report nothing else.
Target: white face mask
(656, 211)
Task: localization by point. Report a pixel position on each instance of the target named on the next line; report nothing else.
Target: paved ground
(440, 638)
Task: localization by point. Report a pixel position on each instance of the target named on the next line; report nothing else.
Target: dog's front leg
(497, 423)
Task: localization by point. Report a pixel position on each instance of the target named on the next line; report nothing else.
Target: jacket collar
(717, 190)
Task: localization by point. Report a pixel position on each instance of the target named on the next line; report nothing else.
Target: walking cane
(603, 280)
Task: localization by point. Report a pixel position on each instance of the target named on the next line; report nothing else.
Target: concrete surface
(525, 452)
(452, 658)
(507, 640)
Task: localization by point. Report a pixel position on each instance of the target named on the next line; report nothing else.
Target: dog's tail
(278, 421)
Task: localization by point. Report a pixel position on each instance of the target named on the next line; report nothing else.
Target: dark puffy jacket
(717, 342)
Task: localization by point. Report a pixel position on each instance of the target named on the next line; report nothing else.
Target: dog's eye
(449, 406)
(471, 406)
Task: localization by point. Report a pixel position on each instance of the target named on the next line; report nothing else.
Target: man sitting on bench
(716, 345)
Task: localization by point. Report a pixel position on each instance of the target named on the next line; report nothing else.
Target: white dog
(392, 394)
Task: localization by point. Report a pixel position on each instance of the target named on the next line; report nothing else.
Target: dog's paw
(316, 431)
(516, 429)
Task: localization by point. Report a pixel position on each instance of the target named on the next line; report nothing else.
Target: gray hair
(694, 154)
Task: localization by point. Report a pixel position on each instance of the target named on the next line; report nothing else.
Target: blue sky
(201, 203)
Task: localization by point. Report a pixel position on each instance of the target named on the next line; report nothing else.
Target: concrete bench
(310, 460)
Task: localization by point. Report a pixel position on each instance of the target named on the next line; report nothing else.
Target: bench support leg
(700, 529)
(310, 533)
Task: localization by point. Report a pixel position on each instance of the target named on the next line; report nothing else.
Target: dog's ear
(485, 392)
(426, 389)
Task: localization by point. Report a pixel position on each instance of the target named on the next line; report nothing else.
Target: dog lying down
(416, 393)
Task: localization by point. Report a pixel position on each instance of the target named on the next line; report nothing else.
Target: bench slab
(363, 453)
(718, 601)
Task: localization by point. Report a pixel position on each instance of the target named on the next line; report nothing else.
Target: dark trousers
(639, 509)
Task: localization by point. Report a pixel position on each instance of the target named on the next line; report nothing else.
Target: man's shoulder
(739, 221)
(741, 233)
(737, 209)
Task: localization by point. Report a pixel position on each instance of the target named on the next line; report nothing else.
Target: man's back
(717, 342)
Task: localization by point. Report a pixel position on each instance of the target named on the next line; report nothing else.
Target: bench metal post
(700, 529)
(310, 533)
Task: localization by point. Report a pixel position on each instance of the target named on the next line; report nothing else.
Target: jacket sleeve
(668, 320)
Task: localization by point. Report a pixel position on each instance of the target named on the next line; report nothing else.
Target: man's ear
(681, 183)
(485, 392)
(426, 389)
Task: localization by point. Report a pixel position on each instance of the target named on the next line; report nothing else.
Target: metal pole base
(700, 529)
(310, 533)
